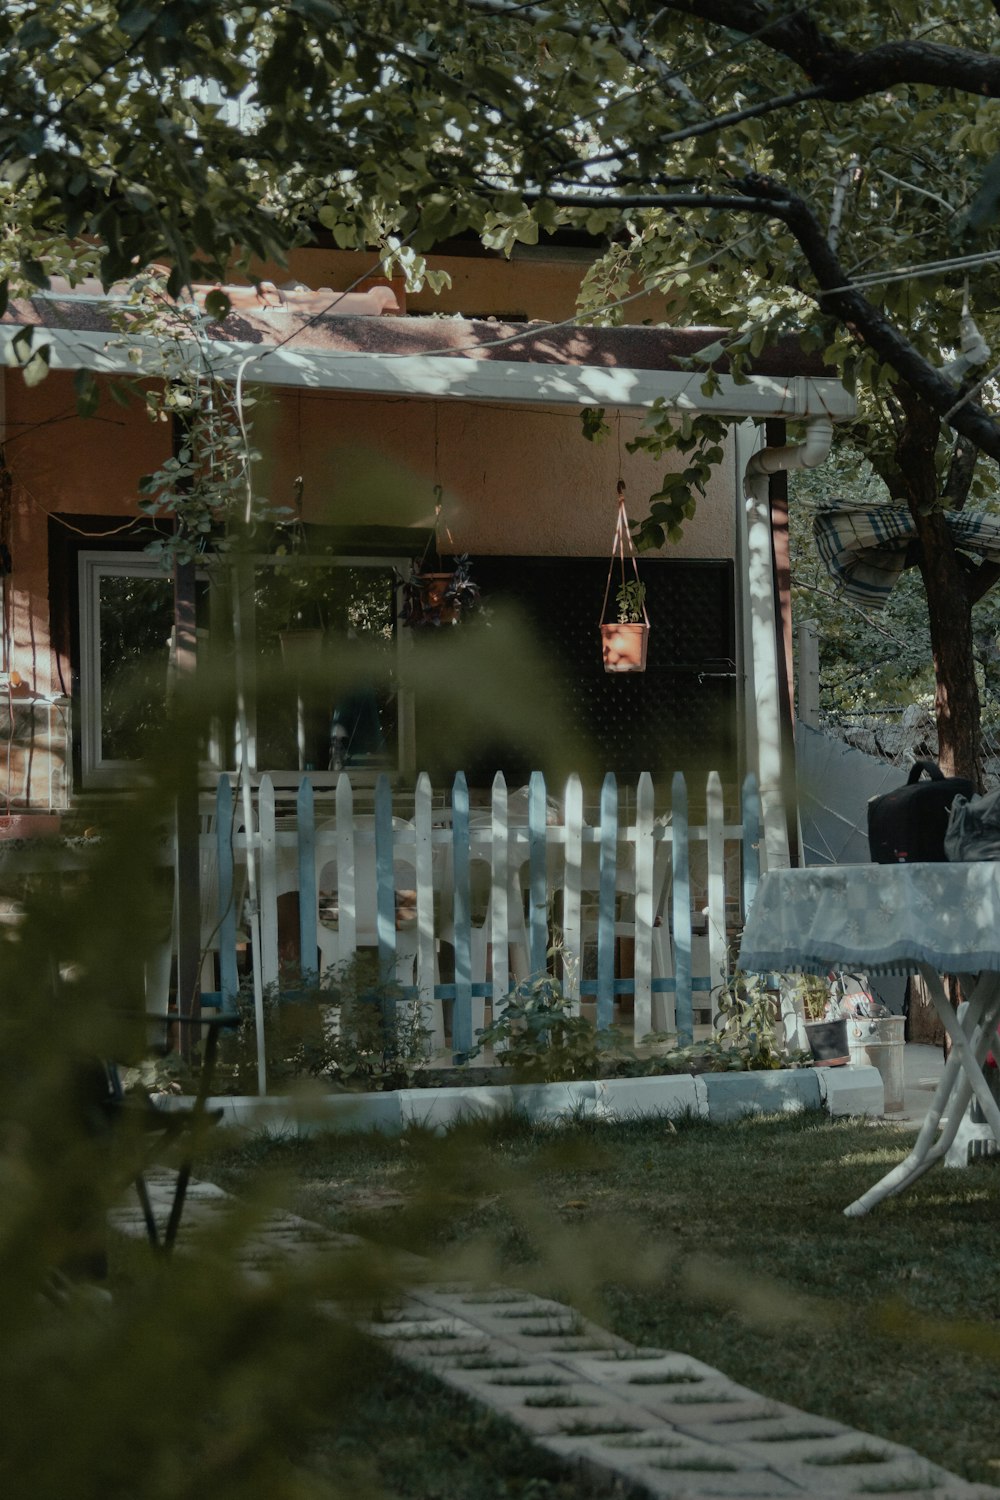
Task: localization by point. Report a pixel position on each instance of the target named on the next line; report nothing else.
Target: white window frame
(98, 770)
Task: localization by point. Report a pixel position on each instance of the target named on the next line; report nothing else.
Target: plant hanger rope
(433, 538)
(622, 548)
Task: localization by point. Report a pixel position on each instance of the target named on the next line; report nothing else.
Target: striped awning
(865, 550)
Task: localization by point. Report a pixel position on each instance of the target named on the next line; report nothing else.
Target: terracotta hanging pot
(624, 647)
(434, 599)
(428, 602)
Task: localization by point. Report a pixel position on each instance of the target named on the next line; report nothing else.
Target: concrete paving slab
(637, 1422)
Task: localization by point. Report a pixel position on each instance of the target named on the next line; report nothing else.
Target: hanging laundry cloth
(864, 551)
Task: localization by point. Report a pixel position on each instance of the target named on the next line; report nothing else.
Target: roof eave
(448, 377)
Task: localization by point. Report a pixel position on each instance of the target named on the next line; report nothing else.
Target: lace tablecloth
(879, 918)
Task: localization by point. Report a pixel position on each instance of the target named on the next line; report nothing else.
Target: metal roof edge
(442, 377)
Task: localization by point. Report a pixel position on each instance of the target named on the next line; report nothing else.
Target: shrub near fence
(460, 902)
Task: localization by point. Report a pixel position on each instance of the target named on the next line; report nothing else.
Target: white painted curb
(714, 1097)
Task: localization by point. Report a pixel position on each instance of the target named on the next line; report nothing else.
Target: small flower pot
(427, 600)
(828, 1043)
(624, 647)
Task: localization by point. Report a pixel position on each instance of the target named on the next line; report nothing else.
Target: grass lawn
(724, 1242)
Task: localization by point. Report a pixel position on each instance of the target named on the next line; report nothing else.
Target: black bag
(907, 826)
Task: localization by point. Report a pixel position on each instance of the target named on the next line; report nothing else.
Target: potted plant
(826, 1028)
(747, 1022)
(624, 642)
(435, 598)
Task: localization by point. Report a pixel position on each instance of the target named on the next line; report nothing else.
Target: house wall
(59, 463)
(515, 481)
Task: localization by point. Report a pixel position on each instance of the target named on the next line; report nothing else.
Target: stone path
(637, 1422)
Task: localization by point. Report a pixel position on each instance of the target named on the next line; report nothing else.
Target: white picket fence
(630, 908)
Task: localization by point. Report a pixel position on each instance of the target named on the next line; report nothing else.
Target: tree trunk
(949, 595)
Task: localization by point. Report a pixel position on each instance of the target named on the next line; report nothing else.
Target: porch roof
(344, 342)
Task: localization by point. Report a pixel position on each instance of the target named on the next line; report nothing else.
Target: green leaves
(87, 391)
(595, 429)
(985, 206)
(33, 363)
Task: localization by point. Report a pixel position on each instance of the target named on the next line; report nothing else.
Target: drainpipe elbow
(809, 454)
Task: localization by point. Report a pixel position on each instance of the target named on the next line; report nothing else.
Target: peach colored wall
(59, 462)
(515, 481)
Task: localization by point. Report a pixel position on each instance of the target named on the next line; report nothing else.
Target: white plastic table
(930, 919)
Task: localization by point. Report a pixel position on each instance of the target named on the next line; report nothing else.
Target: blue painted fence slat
(385, 890)
(461, 1025)
(229, 980)
(538, 928)
(751, 840)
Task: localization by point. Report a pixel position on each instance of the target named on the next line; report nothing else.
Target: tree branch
(853, 309)
(720, 122)
(960, 471)
(761, 195)
(843, 603)
(624, 38)
(842, 73)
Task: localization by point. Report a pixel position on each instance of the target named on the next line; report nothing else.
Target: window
(324, 638)
(321, 650)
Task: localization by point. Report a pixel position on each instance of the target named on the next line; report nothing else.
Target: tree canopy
(767, 164)
(771, 168)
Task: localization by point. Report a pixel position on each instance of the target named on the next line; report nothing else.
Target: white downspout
(763, 633)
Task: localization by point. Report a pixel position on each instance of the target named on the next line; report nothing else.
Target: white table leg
(973, 1037)
(962, 1075)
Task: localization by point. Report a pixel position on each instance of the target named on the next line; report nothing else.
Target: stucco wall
(517, 481)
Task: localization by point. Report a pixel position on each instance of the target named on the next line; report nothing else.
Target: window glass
(135, 620)
(325, 651)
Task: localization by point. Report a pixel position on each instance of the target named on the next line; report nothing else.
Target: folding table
(930, 919)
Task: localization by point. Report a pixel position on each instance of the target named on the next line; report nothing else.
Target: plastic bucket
(878, 1043)
(828, 1043)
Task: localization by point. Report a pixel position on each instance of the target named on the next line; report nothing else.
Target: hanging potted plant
(624, 641)
(434, 595)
